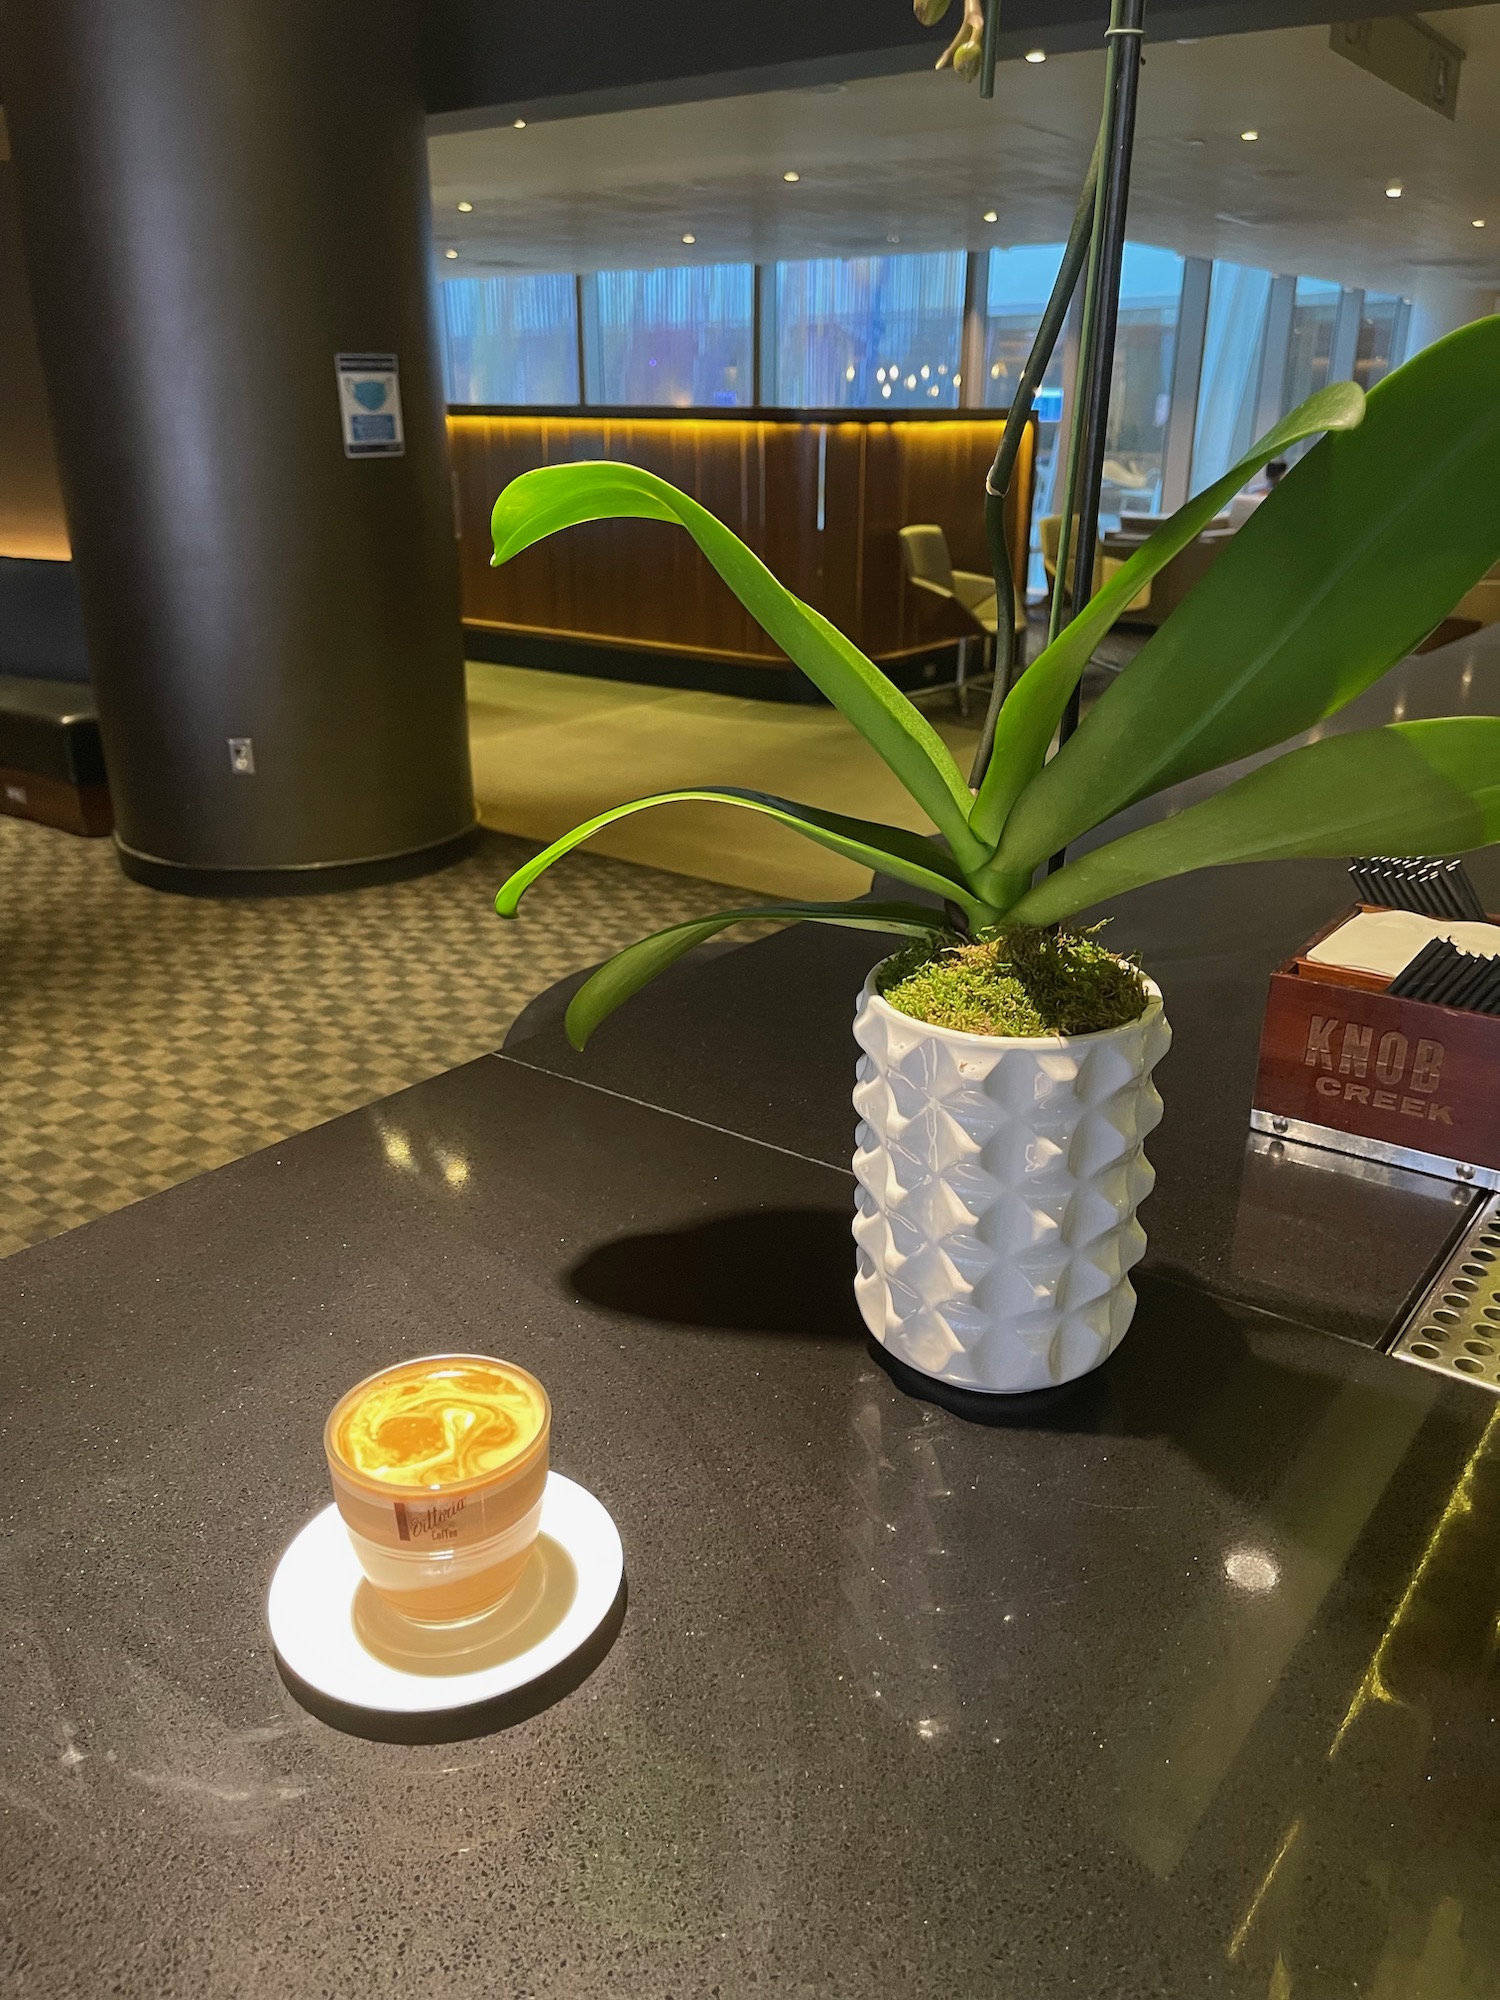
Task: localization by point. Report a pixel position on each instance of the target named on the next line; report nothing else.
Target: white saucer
(338, 1639)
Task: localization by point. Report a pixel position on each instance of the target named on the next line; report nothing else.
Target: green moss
(1018, 982)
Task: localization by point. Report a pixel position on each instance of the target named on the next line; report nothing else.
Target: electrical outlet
(242, 756)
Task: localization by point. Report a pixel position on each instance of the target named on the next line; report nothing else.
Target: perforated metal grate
(1455, 1329)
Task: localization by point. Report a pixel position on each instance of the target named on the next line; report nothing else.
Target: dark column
(219, 197)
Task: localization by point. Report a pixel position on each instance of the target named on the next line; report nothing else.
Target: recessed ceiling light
(1393, 192)
(849, 373)
(958, 381)
(886, 390)
(466, 208)
(991, 215)
(450, 253)
(1250, 136)
(791, 175)
(1479, 222)
(520, 124)
(1036, 55)
(911, 381)
(690, 239)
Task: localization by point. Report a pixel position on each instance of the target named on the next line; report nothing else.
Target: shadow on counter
(458, 1725)
(1210, 1374)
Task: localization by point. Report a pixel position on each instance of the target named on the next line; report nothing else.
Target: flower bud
(966, 59)
(929, 12)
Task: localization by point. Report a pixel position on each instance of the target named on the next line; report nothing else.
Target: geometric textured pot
(998, 1185)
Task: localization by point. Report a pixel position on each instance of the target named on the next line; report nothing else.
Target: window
(1315, 312)
(1229, 387)
(1141, 398)
(1375, 355)
(510, 340)
(885, 333)
(680, 337)
(865, 332)
(1018, 284)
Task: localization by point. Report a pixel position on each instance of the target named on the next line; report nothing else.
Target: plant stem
(1101, 308)
(997, 482)
(990, 48)
(997, 894)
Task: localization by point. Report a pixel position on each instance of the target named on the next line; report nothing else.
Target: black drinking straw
(1445, 973)
(1425, 890)
(1476, 972)
(1448, 979)
(1412, 981)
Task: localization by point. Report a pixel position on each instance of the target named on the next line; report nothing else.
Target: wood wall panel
(644, 584)
(32, 520)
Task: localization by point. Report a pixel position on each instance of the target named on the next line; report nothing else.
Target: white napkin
(1386, 941)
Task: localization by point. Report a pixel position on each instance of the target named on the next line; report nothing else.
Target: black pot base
(980, 1406)
(315, 881)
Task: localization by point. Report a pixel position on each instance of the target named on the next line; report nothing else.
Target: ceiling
(484, 63)
(914, 161)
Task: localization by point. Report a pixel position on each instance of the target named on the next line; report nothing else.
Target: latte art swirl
(439, 1423)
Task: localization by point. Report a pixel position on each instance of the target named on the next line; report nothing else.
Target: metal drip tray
(1455, 1329)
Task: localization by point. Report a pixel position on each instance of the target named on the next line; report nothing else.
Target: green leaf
(910, 857)
(559, 496)
(1035, 705)
(1367, 545)
(628, 971)
(1409, 788)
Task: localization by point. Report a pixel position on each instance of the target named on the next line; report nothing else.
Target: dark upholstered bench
(51, 760)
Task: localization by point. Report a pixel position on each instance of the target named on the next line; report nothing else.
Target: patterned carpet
(146, 1037)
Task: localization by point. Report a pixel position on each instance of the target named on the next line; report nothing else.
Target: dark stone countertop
(1182, 1683)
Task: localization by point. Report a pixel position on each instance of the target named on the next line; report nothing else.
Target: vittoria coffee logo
(437, 1523)
(1388, 1075)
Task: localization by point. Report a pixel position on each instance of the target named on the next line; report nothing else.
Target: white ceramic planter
(998, 1186)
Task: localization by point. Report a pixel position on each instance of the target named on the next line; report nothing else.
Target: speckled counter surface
(1182, 1686)
(1186, 1681)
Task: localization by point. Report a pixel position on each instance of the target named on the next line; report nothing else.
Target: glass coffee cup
(438, 1468)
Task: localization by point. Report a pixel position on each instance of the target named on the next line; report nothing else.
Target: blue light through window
(865, 332)
(1140, 403)
(681, 336)
(1230, 384)
(510, 340)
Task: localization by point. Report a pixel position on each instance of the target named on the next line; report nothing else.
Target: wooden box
(1344, 1065)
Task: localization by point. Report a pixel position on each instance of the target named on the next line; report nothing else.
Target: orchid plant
(1359, 553)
